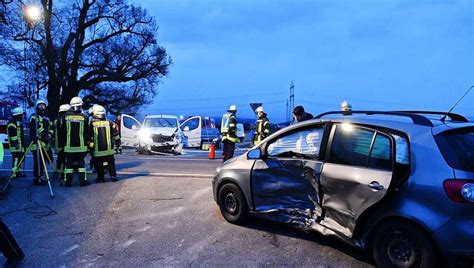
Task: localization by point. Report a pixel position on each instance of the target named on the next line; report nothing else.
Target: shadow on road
(290, 231)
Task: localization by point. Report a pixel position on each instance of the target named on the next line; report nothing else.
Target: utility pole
(290, 105)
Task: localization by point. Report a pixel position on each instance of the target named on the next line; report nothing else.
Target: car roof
(404, 125)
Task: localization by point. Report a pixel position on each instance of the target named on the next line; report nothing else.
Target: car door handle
(376, 186)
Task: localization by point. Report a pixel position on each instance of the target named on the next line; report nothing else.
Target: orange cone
(212, 151)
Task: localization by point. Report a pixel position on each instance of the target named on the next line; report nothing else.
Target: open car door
(129, 128)
(191, 128)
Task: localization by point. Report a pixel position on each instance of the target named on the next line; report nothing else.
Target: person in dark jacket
(43, 137)
(16, 139)
(102, 138)
(74, 127)
(262, 127)
(229, 133)
(299, 115)
(59, 140)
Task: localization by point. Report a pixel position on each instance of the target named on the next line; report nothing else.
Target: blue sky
(375, 54)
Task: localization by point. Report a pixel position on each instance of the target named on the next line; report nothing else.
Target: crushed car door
(191, 128)
(129, 131)
(355, 176)
(285, 182)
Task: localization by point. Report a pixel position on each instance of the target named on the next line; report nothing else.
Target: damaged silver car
(396, 184)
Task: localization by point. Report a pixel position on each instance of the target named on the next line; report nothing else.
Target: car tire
(401, 244)
(233, 204)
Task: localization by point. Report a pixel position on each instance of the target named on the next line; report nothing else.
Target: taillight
(460, 191)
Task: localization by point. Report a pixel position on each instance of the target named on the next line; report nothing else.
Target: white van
(200, 131)
(157, 134)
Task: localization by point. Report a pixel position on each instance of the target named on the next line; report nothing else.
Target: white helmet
(98, 111)
(64, 108)
(17, 111)
(40, 101)
(346, 107)
(75, 102)
(259, 109)
(232, 108)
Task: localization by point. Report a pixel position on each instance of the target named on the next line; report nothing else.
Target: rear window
(457, 147)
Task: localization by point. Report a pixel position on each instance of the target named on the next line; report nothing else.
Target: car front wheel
(401, 244)
(232, 204)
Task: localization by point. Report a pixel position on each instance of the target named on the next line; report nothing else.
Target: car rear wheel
(232, 204)
(401, 244)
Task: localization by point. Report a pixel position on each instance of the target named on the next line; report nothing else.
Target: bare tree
(103, 50)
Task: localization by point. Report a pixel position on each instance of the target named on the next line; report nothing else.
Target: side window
(192, 124)
(129, 122)
(402, 154)
(305, 143)
(351, 145)
(380, 156)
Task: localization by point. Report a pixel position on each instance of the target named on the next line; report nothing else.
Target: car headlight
(144, 134)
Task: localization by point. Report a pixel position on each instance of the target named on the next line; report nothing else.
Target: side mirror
(186, 128)
(134, 128)
(254, 154)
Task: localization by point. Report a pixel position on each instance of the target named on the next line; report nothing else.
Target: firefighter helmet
(232, 108)
(64, 108)
(98, 111)
(17, 111)
(40, 101)
(259, 109)
(346, 107)
(75, 102)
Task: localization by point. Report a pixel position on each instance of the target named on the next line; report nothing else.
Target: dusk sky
(387, 55)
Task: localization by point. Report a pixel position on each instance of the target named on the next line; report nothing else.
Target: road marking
(207, 176)
(177, 158)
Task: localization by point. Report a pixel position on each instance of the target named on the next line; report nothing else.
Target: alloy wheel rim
(231, 202)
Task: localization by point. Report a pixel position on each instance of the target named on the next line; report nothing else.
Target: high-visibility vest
(102, 134)
(44, 128)
(15, 136)
(225, 122)
(75, 127)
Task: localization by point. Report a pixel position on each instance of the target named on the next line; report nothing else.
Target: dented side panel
(287, 190)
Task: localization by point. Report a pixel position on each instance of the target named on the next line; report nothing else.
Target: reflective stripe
(14, 138)
(81, 170)
(109, 151)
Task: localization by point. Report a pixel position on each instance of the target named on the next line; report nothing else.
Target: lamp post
(32, 15)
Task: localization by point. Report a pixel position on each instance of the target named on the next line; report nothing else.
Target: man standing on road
(229, 132)
(101, 138)
(16, 138)
(59, 140)
(74, 128)
(44, 135)
(262, 127)
(299, 115)
(118, 126)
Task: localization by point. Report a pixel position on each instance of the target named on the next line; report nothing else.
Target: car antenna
(452, 108)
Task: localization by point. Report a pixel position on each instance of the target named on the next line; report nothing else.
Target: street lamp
(32, 14)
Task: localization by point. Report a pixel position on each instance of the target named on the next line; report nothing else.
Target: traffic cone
(212, 151)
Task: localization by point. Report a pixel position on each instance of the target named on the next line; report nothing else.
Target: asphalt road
(161, 213)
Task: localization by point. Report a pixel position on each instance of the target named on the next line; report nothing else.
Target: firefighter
(43, 137)
(102, 138)
(299, 115)
(262, 127)
(74, 128)
(229, 132)
(346, 108)
(16, 139)
(59, 140)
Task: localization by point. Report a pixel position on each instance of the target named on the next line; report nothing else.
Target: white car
(157, 134)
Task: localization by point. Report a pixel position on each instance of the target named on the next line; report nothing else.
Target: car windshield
(161, 122)
(457, 147)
